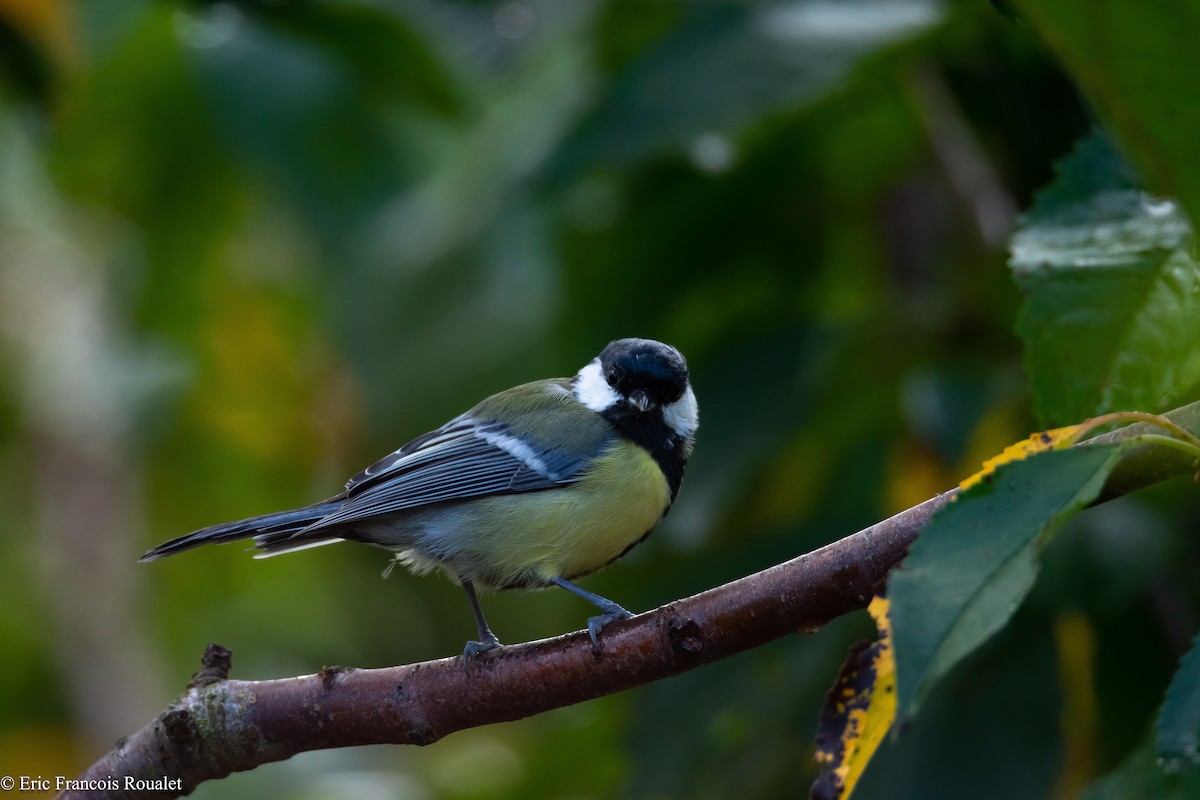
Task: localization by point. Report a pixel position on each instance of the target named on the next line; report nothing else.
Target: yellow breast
(526, 539)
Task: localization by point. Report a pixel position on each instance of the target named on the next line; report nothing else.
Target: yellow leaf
(50, 23)
(1075, 640)
(914, 474)
(1036, 443)
(859, 710)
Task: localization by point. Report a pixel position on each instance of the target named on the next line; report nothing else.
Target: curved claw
(612, 611)
(597, 623)
(475, 649)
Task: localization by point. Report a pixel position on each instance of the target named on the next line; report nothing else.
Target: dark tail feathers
(272, 528)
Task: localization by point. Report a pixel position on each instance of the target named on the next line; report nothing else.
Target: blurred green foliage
(247, 247)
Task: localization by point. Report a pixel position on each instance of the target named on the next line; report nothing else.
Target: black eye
(612, 375)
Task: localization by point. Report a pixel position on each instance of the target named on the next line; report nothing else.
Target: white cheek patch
(593, 390)
(683, 416)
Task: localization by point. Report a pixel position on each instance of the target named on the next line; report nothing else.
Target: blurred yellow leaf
(263, 371)
(47, 21)
(1075, 641)
(41, 751)
(914, 474)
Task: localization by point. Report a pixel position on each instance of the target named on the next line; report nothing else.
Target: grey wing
(460, 460)
(378, 472)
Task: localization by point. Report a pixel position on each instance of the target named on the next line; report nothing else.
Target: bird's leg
(487, 639)
(612, 611)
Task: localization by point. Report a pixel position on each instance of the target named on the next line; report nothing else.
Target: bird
(534, 487)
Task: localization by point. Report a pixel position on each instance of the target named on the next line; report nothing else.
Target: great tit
(533, 487)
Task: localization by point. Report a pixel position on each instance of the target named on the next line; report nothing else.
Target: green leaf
(1113, 292)
(1139, 65)
(1140, 777)
(973, 565)
(1178, 728)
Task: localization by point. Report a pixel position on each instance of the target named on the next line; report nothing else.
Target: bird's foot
(475, 649)
(612, 613)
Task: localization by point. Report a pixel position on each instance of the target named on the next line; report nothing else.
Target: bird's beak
(640, 400)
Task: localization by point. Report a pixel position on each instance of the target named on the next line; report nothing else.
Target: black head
(644, 373)
(641, 388)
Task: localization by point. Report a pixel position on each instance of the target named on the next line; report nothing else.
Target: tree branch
(219, 726)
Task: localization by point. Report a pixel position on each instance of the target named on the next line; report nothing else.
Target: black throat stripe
(650, 431)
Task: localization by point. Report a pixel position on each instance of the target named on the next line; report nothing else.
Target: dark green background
(246, 248)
